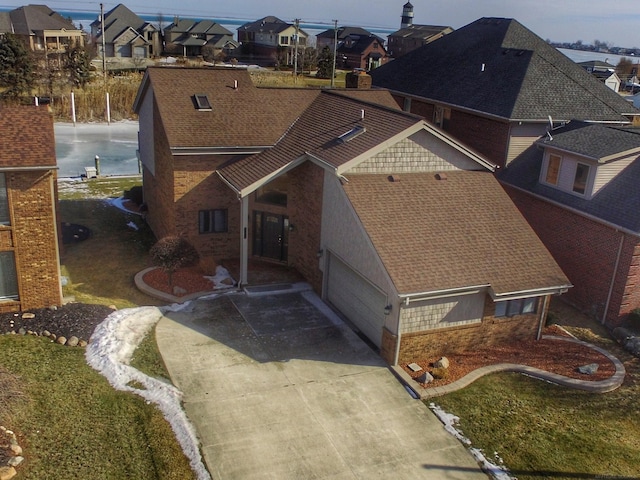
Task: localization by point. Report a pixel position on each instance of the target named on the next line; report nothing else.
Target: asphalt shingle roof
(446, 234)
(242, 117)
(27, 138)
(317, 131)
(499, 67)
(618, 202)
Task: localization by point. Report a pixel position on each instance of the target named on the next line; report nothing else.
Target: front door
(271, 235)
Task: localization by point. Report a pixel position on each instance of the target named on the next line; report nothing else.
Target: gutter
(613, 280)
(449, 292)
(229, 184)
(28, 169)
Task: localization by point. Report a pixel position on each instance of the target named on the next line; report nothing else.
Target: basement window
(202, 102)
(521, 306)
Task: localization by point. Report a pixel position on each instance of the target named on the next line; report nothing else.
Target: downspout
(244, 240)
(613, 280)
(397, 354)
(545, 311)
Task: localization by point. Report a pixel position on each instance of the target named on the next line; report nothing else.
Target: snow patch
(497, 470)
(109, 352)
(221, 279)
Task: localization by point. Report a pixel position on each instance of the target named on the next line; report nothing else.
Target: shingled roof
(618, 202)
(240, 117)
(455, 233)
(27, 139)
(498, 67)
(29, 19)
(316, 134)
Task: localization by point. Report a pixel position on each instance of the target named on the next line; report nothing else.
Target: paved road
(278, 390)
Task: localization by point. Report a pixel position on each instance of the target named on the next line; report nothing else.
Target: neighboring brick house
(494, 85)
(126, 35)
(270, 40)
(392, 221)
(578, 188)
(29, 256)
(357, 48)
(190, 38)
(42, 29)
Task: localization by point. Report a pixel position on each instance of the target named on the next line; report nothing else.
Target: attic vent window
(351, 134)
(202, 102)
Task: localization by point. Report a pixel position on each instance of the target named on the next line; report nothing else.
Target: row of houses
(433, 218)
(268, 41)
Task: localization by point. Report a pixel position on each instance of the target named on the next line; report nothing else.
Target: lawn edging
(600, 386)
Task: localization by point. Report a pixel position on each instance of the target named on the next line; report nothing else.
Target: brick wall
(447, 341)
(587, 251)
(305, 213)
(33, 232)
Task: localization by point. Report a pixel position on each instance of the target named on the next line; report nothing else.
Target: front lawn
(546, 431)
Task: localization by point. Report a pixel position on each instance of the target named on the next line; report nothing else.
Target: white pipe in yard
(108, 110)
(73, 108)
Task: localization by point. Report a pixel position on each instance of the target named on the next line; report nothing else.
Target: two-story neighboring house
(398, 226)
(356, 47)
(189, 38)
(270, 40)
(29, 256)
(42, 29)
(126, 34)
(494, 84)
(578, 188)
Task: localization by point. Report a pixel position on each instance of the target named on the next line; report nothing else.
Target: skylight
(202, 102)
(351, 134)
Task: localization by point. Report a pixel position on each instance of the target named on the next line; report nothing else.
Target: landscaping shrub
(633, 320)
(173, 252)
(440, 373)
(134, 194)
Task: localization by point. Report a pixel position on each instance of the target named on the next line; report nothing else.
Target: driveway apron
(278, 387)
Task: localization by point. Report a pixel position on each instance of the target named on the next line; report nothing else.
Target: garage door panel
(357, 299)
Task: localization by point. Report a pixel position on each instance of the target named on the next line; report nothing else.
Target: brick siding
(586, 251)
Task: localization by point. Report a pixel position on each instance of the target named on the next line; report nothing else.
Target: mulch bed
(562, 358)
(73, 319)
(190, 280)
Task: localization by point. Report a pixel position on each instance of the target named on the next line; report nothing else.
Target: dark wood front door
(271, 238)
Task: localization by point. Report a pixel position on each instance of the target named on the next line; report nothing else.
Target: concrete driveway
(279, 388)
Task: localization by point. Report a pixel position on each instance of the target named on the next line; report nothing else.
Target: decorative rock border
(72, 341)
(598, 386)
(8, 471)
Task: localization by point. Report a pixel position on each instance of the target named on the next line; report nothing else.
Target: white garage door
(357, 299)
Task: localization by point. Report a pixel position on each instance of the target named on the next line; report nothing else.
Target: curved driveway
(279, 388)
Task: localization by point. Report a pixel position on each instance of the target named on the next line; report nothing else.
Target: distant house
(326, 38)
(603, 71)
(29, 256)
(402, 230)
(270, 40)
(42, 29)
(412, 36)
(494, 85)
(361, 52)
(191, 38)
(126, 35)
(578, 188)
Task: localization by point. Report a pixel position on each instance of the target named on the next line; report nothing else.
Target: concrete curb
(167, 297)
(601, 386)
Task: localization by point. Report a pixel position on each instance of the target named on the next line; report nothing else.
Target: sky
(615, 22)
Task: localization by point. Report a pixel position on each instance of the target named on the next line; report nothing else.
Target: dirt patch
(549, 355)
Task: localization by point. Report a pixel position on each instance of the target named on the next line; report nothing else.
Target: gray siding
(145, 133)
(442, 312)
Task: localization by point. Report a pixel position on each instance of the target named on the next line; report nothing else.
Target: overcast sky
(616, 22)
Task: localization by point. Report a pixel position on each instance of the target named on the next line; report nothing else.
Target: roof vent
(351, 134)
(393, 178)
(441, 176)
(202, 102)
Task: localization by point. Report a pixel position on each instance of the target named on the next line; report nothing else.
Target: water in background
(115, 144)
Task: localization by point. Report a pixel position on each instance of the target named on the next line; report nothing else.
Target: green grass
(70, 422)
(546, 431)
(101, 269)
(73, 424)
(107, 187)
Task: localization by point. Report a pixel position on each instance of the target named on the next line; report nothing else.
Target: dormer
(581, 158)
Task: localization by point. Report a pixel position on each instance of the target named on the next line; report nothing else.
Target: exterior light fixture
(387, 309)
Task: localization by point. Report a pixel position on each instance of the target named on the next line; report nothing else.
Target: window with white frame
(8, 276)
(581, 178)
(212, 221)
(520, 306)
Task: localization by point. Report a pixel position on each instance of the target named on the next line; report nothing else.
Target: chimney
(358, 79)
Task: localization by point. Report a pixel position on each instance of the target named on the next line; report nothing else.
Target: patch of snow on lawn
(221, 278)
(109, 352)
(497, 472)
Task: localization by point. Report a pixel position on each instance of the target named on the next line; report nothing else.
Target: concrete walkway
(279, 388)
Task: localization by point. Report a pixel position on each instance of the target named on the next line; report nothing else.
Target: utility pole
(104, 53)
(335, 49)
(295, 53)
